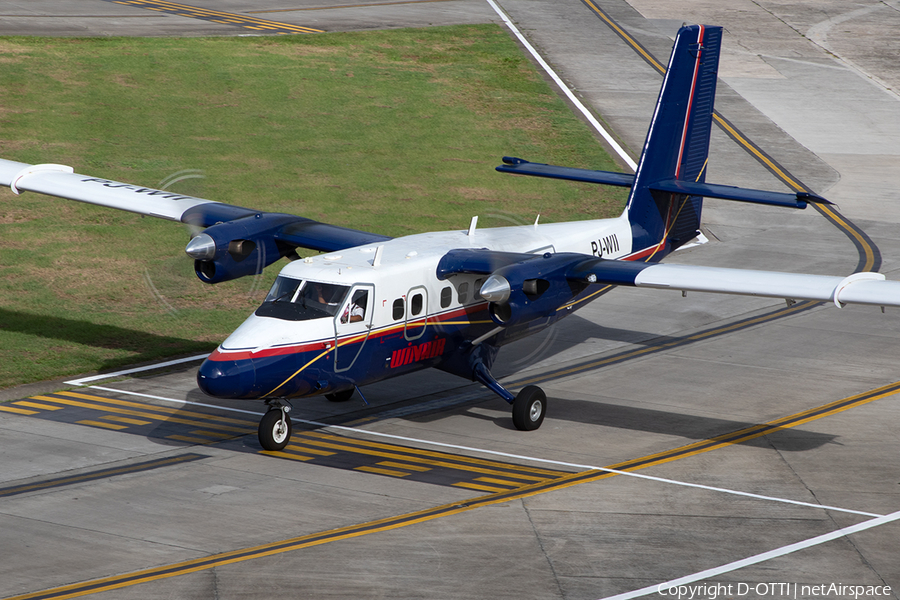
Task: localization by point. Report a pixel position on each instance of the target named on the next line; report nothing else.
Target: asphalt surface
(795, 409)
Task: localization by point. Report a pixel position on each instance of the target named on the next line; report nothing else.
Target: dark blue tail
(668, 189)
(677, 146)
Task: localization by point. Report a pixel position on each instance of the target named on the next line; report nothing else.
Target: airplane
(370, 307)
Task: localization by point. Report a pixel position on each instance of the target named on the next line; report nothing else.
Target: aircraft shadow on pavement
(646, 420)
(315, 446)
(192, 426)
(568, 333)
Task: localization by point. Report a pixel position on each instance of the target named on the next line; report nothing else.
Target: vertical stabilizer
(677, 146)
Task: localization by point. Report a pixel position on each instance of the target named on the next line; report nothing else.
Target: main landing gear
(275, 426)
(528, 407)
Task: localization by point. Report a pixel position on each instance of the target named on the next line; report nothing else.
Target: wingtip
(815, 199)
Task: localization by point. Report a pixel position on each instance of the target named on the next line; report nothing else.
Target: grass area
(395, 132)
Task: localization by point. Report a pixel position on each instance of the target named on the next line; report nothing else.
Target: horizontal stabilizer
(676, 186)
(523, 167)
(727, 192)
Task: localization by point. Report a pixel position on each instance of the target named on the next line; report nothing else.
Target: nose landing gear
(528, 407)
(275, 426)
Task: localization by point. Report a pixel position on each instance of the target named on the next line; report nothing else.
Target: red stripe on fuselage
(646, 252)
(328, 343)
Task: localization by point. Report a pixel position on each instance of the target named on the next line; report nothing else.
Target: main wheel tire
(341, 396)
(529, 408)
(274, 433)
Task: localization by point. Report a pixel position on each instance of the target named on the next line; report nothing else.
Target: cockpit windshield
(284, 289)
(300, 300)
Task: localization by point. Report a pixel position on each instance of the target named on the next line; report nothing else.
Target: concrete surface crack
(537, 537)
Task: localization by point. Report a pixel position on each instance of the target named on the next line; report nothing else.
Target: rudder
(677, 146)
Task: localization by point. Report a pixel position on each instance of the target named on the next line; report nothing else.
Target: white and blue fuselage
(411, 318)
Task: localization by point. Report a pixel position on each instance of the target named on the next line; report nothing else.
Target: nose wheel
(275, 428)
(529, 408)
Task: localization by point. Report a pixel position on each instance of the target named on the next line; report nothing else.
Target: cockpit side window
(296, 300)
(355, 311)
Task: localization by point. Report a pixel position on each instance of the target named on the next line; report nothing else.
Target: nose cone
(201, 247)
(227, 378)
(496, 289)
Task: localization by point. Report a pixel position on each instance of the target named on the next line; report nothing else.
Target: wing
(859, 288)
(238, 241)
(63, 182)
(527, 287)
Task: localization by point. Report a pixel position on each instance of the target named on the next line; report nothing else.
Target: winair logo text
(412, 354)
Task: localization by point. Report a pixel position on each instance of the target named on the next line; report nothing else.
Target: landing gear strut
(275, 426)
(528, 407)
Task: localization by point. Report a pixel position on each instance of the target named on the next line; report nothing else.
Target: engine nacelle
(530, 290)
(236, 248)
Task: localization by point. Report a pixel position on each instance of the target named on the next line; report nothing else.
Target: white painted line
(192, 403)
(746, 562)
(596, 468)
(162, 365)
(568, 92)
(505, 454)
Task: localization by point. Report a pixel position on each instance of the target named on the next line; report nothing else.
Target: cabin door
(352, 324)
(416, 313)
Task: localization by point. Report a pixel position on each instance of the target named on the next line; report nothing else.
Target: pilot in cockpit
(356, 310)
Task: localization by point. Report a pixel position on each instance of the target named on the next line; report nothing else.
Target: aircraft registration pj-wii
(371, 307)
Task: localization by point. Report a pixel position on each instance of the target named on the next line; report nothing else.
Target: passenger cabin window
(463, 292)
(302, 300)
(397, 309)
(446, 296)
(477, 290)
(416, 304)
